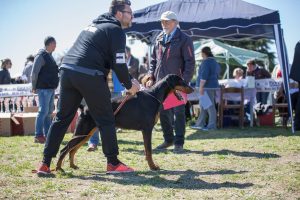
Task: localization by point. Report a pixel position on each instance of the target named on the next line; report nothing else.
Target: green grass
(250, 163)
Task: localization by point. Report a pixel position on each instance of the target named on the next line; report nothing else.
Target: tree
(262, 45)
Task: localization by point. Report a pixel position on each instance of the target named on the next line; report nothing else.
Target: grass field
(251, 163)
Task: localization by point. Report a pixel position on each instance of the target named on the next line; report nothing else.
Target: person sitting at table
(259, 73)
(280, 97)
(237, 82)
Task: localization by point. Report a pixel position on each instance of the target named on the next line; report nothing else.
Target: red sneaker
(120, 168)
(43, 169)
(40, 139)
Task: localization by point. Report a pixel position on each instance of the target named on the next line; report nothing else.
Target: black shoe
(164, 145)
(178, 149)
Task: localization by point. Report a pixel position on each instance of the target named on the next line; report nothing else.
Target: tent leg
(284, 65)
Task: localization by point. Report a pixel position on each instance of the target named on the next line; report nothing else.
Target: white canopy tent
(229, 55)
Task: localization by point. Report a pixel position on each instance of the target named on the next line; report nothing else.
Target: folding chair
(225, 94)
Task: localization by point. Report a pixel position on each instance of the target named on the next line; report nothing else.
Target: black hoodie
(101, 46)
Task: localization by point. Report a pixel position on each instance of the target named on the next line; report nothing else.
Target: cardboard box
(27, 122)
(16, 126)
(5, 124)
(30, 109)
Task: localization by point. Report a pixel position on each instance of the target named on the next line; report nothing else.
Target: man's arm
(37, 66)
(267, 74)
(118, 43)
(189, 60)
(204, 76)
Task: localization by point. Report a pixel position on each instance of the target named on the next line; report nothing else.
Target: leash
(152, 96)
(121, 104)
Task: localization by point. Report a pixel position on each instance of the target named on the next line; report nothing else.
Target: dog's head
(177, 83)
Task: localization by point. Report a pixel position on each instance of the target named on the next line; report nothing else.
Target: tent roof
(236, 55)
(226, 19)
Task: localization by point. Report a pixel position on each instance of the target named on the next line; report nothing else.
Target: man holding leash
(99, 48)
(173, 53)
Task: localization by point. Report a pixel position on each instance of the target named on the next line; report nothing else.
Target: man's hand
(34, 91)
(149, 83)
(201, 90)
(147, 80)
(135, 87)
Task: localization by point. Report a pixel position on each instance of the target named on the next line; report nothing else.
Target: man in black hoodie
(295, 75)
(99, 48)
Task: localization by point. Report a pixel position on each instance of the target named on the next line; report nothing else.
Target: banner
(14, 90)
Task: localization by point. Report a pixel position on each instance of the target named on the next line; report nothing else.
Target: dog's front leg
(147, 136)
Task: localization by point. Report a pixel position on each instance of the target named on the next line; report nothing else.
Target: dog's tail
(71, 145)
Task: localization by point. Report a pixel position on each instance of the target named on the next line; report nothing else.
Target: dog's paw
(74, 166)
(59, 169)
(154, 167)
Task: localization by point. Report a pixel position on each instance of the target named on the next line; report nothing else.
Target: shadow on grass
(257, 132)
(127, 142)
(246, 154)
(226, 152)
(188, 179)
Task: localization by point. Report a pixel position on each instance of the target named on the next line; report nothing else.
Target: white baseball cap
(168, 15)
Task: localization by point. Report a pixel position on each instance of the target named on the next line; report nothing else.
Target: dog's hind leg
(75, 149)
(147, 136)
(70, 145)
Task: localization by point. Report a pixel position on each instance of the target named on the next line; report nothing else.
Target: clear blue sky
(25, 23)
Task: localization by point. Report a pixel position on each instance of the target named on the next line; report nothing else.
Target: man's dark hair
(30, 57)
(252, 62)
(207, 51)
(118, 5)
(48, 40)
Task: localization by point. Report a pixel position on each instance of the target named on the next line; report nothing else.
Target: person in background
(276, 73)
(4, 73)
(258, 73)
(208, 74)
(237, 82)
(295, 75)
(44, 82)
(26, 74)
(173, 53)
(132, 64)
(83, 75)
(144, 68)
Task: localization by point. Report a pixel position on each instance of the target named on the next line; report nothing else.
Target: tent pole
(227, 64)
(284, 65)
(150, 46)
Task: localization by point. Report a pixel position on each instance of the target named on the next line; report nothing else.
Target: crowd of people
(99, 58)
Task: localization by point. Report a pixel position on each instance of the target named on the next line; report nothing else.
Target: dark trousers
(169, 123)
(73, 87)
(297, 111)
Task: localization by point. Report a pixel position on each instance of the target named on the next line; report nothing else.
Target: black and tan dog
(138, 113)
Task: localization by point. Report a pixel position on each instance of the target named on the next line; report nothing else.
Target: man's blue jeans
(95, 138)
(46, 107)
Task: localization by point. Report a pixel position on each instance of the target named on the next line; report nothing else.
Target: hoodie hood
(106, 18)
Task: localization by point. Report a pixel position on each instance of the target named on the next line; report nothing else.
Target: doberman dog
(138, 113)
